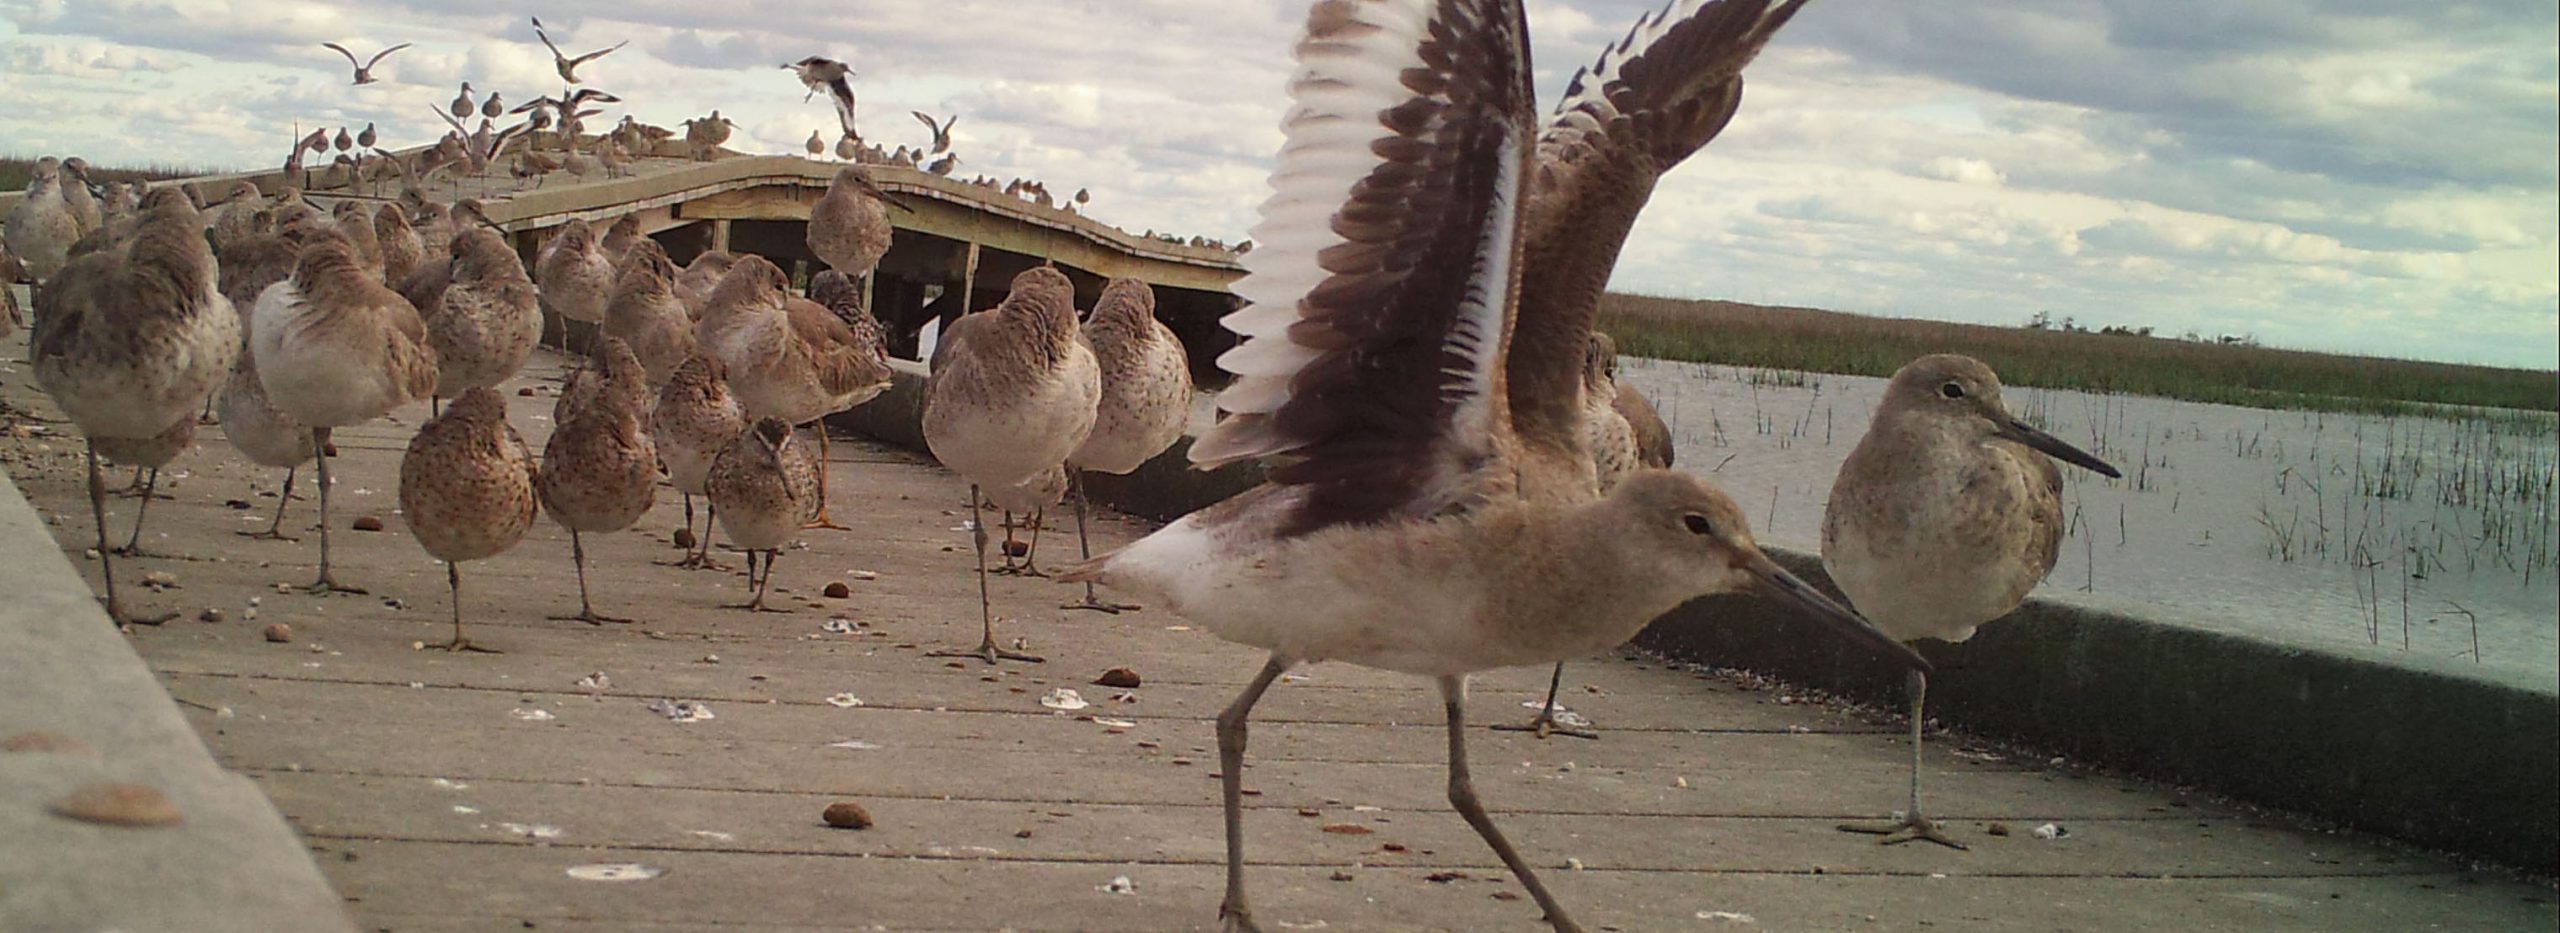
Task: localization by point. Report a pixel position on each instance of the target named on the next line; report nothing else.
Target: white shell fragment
(1063, 698)
(615, 871)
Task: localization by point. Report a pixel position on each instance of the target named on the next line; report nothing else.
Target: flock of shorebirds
(1455, 481)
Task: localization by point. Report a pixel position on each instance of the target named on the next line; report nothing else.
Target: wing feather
(1379, 296)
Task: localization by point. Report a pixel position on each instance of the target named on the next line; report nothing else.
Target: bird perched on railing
(364, 71)
(827, 74)
(704, 135)
(567, 66)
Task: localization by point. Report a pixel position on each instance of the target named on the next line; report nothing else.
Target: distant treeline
(15, 170)
(2117, 360)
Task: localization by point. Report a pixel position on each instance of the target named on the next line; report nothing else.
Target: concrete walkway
(474, 792)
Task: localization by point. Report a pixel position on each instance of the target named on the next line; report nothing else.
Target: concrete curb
(2432, 756)
(233, 865)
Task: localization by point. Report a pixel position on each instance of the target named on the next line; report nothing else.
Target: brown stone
(368, 523)
(846, 814)
(118, 805)
(838, 590)
(278, 632)
(1120, 677)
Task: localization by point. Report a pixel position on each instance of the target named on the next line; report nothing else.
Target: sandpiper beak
(2020, 431)
(1790, 589)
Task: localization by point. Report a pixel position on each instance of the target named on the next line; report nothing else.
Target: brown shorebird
(356, 224)
(41, 226)
(1417, 523)
(461, 107)
(566, 65)
(364, 70)
(236, 215)
(827, 74)
(336, 348)
(132, 339)
(621, 237)
(484, 318)
(1011, 395)
(941, 131)
(467, 488)
(1653, 438)
(817, 144)
(700, 276)
(75, 193)
(1146, 398)
(849, 228)
(645, 312)
(269, 438)
(148, 454)
(763, 489)
(600, 470)
(1943, 518)
(695, 419)
(575, 275)
(789, 357)
(402, 249)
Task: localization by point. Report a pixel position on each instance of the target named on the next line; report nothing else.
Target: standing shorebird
(1415, 521)
(41, 226)
(336, 348)
(575, 277)
(75, 192)
(566, 65)
(1943, 518)
(599, 470)
(646, 313)
(827, 74)
(402, 249)
(1145, 403)
(1653, 438)
(763, 489)
(148, 454)
(269, 438)
(132, 339)
(695, 419)
(364, 70)
(695, 283)
(849, 226)
(787, 356)
(1011, 395)
(467, 488)
(483, 319)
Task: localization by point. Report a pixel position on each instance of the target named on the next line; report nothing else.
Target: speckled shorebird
(482, 318)
(75, 193)
(788, 357)
(269, 438)
(1944, 518)
(1422, 519)
(130, 340)
(356, 224)
(337, 348)
(645, 312)
(695, 419)
(763, 489)
(402, 249)
(575, 277)
(41, 226)
(1653, 438)
(1145, 403)
(621, 237)
(1011, 395)
(467, 489)
(849, 226)
(600, 470)
(700, 277)
(148, 454)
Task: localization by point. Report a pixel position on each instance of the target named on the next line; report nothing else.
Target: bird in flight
(364, 72)
(569, 66)
(941, 131)
(829, 75)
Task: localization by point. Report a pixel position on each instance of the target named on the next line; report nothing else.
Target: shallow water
(2381, 537)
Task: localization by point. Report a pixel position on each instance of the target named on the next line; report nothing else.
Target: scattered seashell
(682, 710)
(368, 523)
(1119, 884)
(2052, 831)
(533, 715)
(111, 804)
(844, 701)
(615, 871)
(1063, 698)
(209, 615)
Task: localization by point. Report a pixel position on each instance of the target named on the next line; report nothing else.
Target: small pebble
(278, 632)
(1016, 548)
(847, 815)
(838, 590)
(368, 523)
(1341, 876)
(160, 580)
(1348, 829)
(118, 805)
(250, 614)
(330, 449)
(1997, 829)
(48, 742)
(209, 615)
(1120, 677)
(684, 538)
(526, 392)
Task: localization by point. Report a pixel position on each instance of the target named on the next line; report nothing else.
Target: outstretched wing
(342, 50)
(546, 40)
(1379, 302)
(1646, 104)
(599, 53)
(379, 56)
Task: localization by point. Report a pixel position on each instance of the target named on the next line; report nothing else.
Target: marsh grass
(1807, 340)
(14, 171)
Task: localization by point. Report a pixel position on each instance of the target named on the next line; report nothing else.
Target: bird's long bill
(883, 194)
(1790, 589)
(2024, 433)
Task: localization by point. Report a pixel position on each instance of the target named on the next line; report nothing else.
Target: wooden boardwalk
(460, 793)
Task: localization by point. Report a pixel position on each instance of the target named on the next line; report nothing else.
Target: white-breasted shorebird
(269, 438)
(1145, 402)
(41, 227)
(1943, 518)
(1415, 522)
(789, 357)
(467, 490)
(826, 74)
(1611, 441)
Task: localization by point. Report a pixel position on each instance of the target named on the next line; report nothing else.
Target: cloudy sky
(2347, 175)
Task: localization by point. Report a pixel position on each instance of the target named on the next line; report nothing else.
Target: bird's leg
(822, 521)
(1912, 825)
(1545, 723)
(325, 586)
(275, 529)
(1009, 567)
(133, 545)
(139, 487)
(702, 545)
(453, 583)
(586, 610)
(1233, 915)
(1032, 550)
(986, 650)
(207, 416)
(98, 511)
(1084, 549)
(1462, 795)
(765, 582)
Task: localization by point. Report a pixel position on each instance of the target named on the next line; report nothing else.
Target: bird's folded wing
(1378, 302)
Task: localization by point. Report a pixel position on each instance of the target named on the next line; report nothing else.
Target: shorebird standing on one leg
(599, 470)
(269, 438)
(1943, 518)
(575, 277)
(1146, 399)
(1011, 396)
(789, 357)
(132, 339)
(763, 489)
(695, 419)
(467, 489)
(1418, 518)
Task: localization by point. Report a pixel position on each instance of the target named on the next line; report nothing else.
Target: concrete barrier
(2437, 756)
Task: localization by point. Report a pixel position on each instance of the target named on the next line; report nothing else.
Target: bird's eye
(1951, 390)
(1697, 524)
